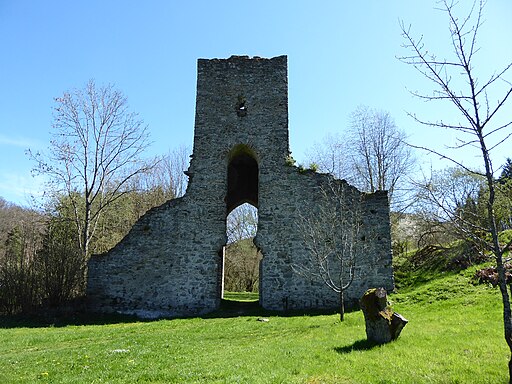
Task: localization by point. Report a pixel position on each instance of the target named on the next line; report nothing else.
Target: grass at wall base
(454, 336)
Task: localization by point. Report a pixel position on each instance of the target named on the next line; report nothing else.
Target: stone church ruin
(171, 262)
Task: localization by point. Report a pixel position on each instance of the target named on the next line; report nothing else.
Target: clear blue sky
(340, 54)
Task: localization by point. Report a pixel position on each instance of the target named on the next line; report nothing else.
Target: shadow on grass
(227, 309)
(233, 308)
(359, 345)
(44, 320)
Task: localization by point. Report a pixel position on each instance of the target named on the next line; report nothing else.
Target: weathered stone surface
(382, 324)
(171, 262)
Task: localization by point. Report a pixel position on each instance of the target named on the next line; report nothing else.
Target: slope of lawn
(454, 336)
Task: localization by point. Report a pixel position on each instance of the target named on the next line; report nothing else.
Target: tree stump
(382, 324)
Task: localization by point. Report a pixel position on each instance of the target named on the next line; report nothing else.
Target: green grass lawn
(241, 296)
(454, 336)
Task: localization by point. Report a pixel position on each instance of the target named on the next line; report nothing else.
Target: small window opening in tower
(241, 257)
(241, 106)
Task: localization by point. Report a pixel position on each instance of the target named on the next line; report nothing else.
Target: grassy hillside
(454, 336)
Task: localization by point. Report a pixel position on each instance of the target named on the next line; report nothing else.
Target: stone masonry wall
(170, 264)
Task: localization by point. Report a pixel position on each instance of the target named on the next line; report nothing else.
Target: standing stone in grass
(382, 324)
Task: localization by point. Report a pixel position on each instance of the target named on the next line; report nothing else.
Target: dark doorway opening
(242, 180)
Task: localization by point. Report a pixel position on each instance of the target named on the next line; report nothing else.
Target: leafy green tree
(19, 289)
(60, 263)
(241, 267)
(506, 173)
(502, 204)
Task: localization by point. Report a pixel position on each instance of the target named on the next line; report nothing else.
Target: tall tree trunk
(342, 306)
(496, 248)
(507, 318)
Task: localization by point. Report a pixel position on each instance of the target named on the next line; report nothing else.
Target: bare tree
(372, 155)
(331, 156)
(95, 150)
(456, 82)
(173, 166)
(381, 159)
(332, 239)
(166, 180)
(242, 223)
(167, 174)
(449, 201)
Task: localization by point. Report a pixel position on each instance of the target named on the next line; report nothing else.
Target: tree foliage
(506, 173)
(241, 266)
(60, 263)
(19, 289)
(41, 264)
(450, 200)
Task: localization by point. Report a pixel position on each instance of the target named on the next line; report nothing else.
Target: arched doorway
(241, 258)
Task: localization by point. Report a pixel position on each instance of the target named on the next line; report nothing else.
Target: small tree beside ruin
(332, 236)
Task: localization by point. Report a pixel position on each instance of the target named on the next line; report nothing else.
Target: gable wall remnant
(170, 264)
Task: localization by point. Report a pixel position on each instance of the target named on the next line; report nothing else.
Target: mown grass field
(454, 336)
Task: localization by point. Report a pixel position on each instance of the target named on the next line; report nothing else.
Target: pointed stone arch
(243, 177)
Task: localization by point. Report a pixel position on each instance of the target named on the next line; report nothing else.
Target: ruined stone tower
(171, 262)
